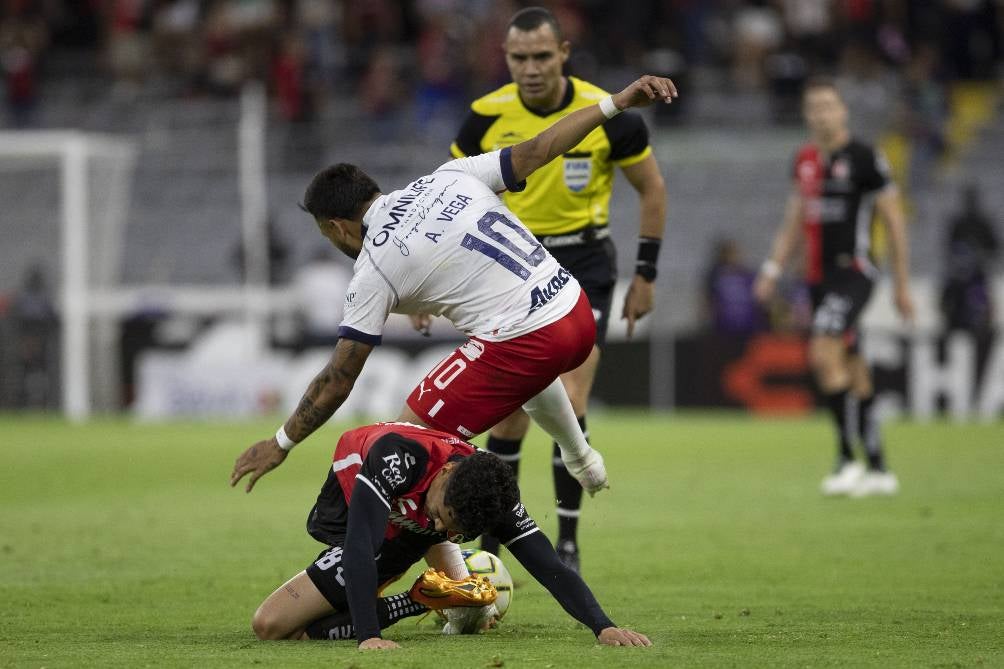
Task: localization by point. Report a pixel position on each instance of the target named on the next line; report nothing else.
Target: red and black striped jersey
(398, 473)
(400, 469)
(838, 195)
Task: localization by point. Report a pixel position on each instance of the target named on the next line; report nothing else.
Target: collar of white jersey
(372, 212)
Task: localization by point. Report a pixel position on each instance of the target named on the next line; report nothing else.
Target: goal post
(94, 178)
(90, 198)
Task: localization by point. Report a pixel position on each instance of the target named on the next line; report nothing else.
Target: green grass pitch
(122, 545)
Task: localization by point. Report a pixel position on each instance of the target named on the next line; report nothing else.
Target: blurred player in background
(447, 245)
(566, 206)
(839, 183)
(393, 492)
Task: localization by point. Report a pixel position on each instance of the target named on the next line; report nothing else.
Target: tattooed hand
(323, 397)
(258, 460)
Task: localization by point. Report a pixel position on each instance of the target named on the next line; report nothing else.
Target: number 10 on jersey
(510, 255)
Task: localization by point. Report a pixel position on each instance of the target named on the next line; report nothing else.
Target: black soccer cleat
(568, 553)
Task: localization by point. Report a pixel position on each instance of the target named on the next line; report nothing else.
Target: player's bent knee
(267, 626)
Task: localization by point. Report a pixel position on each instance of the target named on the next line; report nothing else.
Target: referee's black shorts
(594, 266)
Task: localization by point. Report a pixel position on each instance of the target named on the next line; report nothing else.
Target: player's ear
(324, 225)
(339, 226)
(565, 50)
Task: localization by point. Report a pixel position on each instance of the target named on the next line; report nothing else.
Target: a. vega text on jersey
(456, 205)
(541, 295)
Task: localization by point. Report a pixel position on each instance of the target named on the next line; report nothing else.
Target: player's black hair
(532, 18)
(339, 191)
(481, 490)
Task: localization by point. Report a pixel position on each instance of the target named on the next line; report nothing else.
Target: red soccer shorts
(482, 382)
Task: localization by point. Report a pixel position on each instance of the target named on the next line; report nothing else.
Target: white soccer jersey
(446, 245)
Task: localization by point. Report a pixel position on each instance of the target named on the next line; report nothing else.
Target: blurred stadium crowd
(435, 55)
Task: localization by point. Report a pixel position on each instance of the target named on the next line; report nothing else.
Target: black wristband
(646, 271)
(648, 250)
(648, 255)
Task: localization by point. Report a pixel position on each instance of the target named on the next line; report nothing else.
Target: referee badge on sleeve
(578, 170)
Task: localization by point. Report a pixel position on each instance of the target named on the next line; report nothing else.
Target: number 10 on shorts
(441, 376)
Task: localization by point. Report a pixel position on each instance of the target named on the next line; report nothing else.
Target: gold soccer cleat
(437, 591)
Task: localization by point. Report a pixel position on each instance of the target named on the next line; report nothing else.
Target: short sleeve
(368, 301)
(493, 169)
(472, 131)
(393, 466)
(516, 525)
(628, 137)
(875, 173)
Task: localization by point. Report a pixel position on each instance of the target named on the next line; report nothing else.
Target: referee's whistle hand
(638, 302)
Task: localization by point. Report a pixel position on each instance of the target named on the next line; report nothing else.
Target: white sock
(552, 410)
(446, 557)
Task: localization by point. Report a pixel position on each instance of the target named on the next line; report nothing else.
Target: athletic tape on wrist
(285, 443)
(608, 107)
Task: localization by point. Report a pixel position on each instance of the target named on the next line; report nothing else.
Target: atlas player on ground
(839, 184)
(393, 492)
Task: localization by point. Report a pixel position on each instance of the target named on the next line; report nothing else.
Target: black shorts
(594, 266)
(327, 523)
(837, 302)
(327, 572)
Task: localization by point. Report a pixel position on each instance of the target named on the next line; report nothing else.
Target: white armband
(285, 443)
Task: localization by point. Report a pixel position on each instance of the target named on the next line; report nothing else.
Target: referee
(567, 206)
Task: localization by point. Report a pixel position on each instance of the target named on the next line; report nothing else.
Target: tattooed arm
(328, 389)
(323, 397)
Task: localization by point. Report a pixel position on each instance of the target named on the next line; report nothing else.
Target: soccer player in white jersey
(446, 245)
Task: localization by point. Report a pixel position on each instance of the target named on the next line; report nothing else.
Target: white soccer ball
(483, 562)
